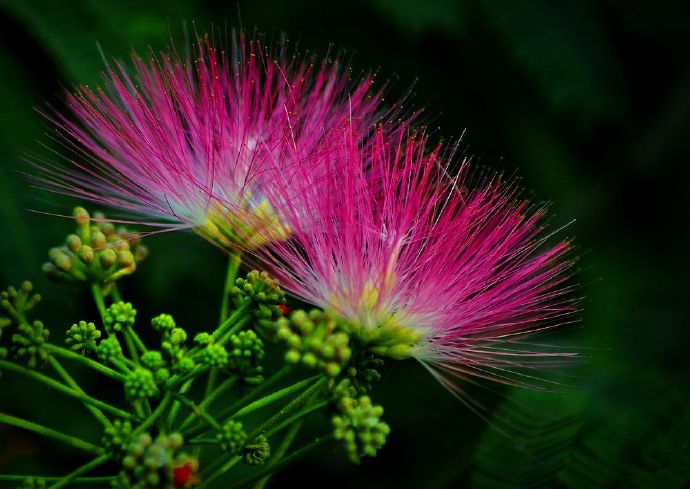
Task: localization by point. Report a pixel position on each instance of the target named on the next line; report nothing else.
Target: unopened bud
(86, 254)
(63, 262)
(108, 258)
(141, 253)
(125, 258)
(98, 240)
(122, 245)
(81, 214)
(73, 242)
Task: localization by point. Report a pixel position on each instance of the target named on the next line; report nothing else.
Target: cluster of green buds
(212, 353)
(96, 253)
(109, 351)
(116, 437)
(140, 383)
(119, 316)
(245, 353)
(150, 464)
(358, 378)
(263, 292)
(232, 437)
(316, 340)
(358, 425)
(30, 337)
(82, 337)
(173, 339)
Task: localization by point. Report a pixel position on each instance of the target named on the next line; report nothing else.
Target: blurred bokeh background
(589, 102)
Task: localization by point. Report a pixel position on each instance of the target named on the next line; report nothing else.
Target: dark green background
(588, 101)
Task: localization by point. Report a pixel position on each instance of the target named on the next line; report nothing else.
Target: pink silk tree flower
(454, 272)
(185, 140)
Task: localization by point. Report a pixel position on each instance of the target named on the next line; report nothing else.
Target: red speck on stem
(284, 309)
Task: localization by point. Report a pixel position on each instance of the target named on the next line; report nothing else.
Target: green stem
(232, 410)
(50, 433)
(267, 384)
(97, 294)
(210, 420)
(276, 396)
(237, 327)
(79, 480)
(271, 468)
(70, 355)
(53, 384)
(97, 413)
(117, 297)
(280, 453)
(296, 417)
(175, 409)
(229, 323)
(69, 478)
(220, 471)
(202, 441)
(211, 381)
(157, 413)
(293, 406)
(131, 347)
(234, 261)
(210, 399)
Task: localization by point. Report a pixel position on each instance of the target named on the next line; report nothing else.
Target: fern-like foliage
(616, 435)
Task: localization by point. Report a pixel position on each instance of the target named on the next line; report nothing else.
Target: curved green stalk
(210, 399)
(157, 413)
(97, 413)
(54, 384)
(70, 355)
(72, 476)
(276, 396)
(234, 261)
(79, 480)
(50, 433)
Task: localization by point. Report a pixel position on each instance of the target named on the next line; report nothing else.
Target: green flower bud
(118, 316)
(86, 254)
(214, 355)
(202, 339)
(73, 242)
(246, 351)
(315, 339)
(140, 384)
(97, 239)
(29, 342)
(184, 365)
(141, 253)
(256, 452)
(107, 258)
(163, 322)
(109, 350)
(117, 436)
(82, 336)
(152, 359)
(359, 427)
(232, 436)
(264, 293)
(178, 336)
(125, 259)
(150, 464)
(162, 375)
